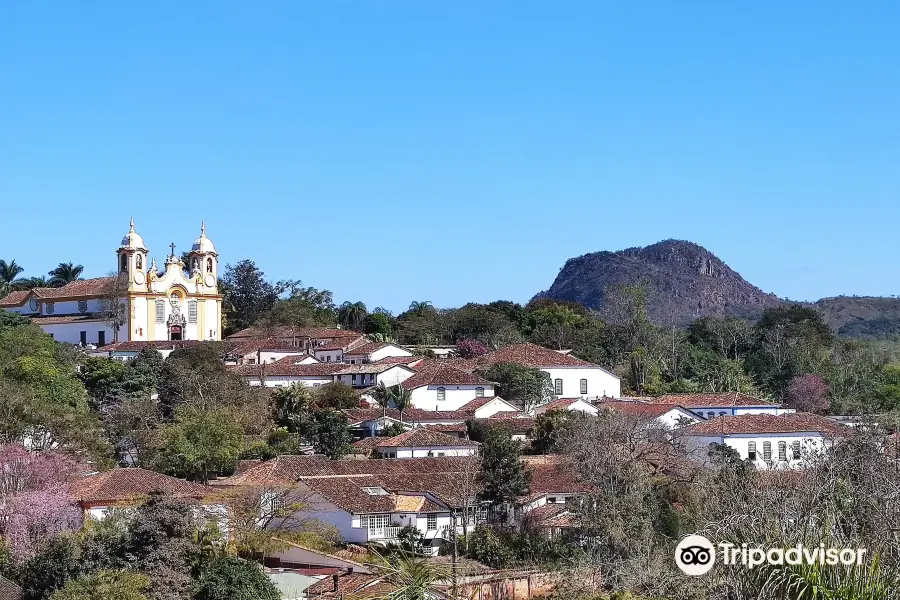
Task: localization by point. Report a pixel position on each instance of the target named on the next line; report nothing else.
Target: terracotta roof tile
(766, 423)
(61, 319)
(640, 409)
(532, 355)
(369, 348)
(719, 399)
(348, 493)
(9, 590)
(421, 437)
(16, 298)
(80, 288)
(295, 332)
(288, 367)
(348, 584)
(410, 415)
(128, 484)
(260, 345)
(410, 361)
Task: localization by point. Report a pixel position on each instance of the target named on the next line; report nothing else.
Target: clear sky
(456, 151)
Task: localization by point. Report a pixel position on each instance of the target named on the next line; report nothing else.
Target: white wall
(492, 408)
(389, 351)
(274, 381)
(329, 355)
(811, 443)
(429, 451)
(600, 383)
(425, 397)
(71, 332)
(578, 406)
(733, 411)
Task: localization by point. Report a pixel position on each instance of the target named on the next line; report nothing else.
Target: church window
(124, 267)
(441, 394)
(209, 265)
(795, 446)
(584, 386)
(751, 450)
(195, 265)
(82, 306)
(557, 387)
(49, 308)
(782, 451)
(192, 311)
(139, 262)
(767, 451)
(160, 311)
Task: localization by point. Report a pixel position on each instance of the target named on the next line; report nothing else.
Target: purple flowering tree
(470, 348)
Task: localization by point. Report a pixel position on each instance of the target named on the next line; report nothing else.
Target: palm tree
(382, 396)
(352, 314)
(410, 577)
(65, 273)
(420, 307)
(402, 399)
(9, 271)
(31, 282)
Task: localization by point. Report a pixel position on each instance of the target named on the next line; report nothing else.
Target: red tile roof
(421, 437)
(295, 332)
(61, 319)
(260, 345)
(473, 405)
(766, 423)
(448, 427)
(16, 298)
(561, 403)
(348, 493)
(369, 348)
(349, 584)
(515, 422)
(129, 484)
(443, 375)
(345, 343)
(288, 367)
(719, 399)
(410, 415)
(410, 361)
(532, 355)
(640, 409)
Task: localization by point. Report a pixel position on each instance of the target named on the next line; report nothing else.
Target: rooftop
(766, 423)
(721, 399)
(440, 374)
(534, 356)
(421, 437)
(127, 484)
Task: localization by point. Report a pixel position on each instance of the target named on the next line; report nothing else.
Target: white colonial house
(569, 375)
(306, 370)
(574, 404)
(487, 406)
(441, 387)
(732, 404)
(785, 441)
(364, 512)
(422, 442)
(371, 374)
(181, 302)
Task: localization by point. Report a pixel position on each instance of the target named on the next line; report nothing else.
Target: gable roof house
(291, 369)
(785, 441)
(569, 375)
(440, 387)
(98, 492)
(667, 416)
(574, 404)
(422, 442)
(374, 352)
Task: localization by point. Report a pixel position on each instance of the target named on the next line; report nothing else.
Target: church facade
(142, 303)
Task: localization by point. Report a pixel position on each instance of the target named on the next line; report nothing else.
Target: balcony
(384, 533)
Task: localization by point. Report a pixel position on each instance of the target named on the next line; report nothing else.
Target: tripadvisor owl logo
(695, 555)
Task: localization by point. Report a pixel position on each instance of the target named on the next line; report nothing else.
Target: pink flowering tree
(470, 348)
(34, 506)
(807, 393)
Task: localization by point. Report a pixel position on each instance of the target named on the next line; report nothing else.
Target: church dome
(132, 239)
(203, 244)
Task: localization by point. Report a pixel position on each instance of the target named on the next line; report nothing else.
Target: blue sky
(461, 151)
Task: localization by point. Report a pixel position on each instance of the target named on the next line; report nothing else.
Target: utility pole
(455, 554)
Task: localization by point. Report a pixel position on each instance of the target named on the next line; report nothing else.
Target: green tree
(65, 273)
(524, 386)
(352, 315)
(52, 569)
(230, 578)
(378, 324)
(292, 407)
(329, 433)
(8, 273)
(29, 283)
(411, 577)
(103, 377)
(401, 398)
(887, 394)
(199, 442)
(105, 585)
(336, 395)
(549, 429)
(503, 475)
(246, 294)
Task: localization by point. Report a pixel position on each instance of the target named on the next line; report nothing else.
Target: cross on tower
(172, 246)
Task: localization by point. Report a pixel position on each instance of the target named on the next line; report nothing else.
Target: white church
(179, 302)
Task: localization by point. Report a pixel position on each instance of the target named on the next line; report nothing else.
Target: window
(375, 523)
(251, 361)
(328, 359)
(557, 387)
(767, 451)
(209, 265)
(751, 450)
(442, 454)
(124, 264)
(796, 448)
(49, 308)
(82, 335)
(160, 311)
(782, 450)
(139, 263)
(710, 415)
(101, 338)
(192, 311)
(375, 491)
(432, 521)
(353, 379)
(584, 386)
(721, 413)
(82, 306)
(442, 394)
(479, 392)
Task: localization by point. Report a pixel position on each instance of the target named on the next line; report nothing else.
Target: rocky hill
(686, 281)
